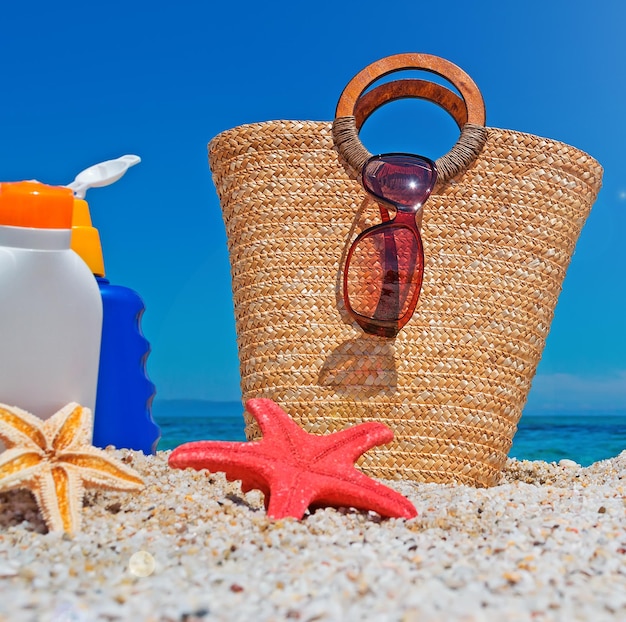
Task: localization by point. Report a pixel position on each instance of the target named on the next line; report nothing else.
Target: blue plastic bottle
(124, 396)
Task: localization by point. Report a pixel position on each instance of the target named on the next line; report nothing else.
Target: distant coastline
(168, 409)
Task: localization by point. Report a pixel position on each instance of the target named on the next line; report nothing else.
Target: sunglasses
(384, 268)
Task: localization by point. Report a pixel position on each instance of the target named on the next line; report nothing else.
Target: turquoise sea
(583, 437)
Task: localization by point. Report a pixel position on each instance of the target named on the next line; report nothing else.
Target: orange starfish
(295, 469)
(56, 461)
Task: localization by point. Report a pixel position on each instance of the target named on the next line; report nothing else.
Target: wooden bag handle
(354, 101)
(399, 62)
(371, 101)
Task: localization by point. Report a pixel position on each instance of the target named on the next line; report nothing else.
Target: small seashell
(568, 464)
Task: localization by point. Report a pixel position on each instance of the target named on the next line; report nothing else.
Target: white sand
(549, 543)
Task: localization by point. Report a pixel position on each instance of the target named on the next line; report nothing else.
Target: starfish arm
(290, 498)
(355, 489)
(72, 426)
(59, 495)
(274, 422)
(97, 469)
(346, 446)
(18, 466)
(239, 461)
(18, 427)
(69, 491)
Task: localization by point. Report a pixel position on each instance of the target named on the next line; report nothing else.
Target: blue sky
(85, 82)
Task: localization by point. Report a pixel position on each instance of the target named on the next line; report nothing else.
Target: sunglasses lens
(403, 180)
(384, 273)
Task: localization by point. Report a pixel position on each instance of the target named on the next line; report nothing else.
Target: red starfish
(295, 469)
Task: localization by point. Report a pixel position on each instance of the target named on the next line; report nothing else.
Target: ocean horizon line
(541, 434)
(534, 411)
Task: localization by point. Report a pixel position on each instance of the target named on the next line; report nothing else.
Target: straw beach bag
(498, 233)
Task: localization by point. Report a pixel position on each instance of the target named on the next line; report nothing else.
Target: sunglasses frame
(405, 218)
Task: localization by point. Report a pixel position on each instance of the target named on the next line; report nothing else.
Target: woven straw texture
(497, 241)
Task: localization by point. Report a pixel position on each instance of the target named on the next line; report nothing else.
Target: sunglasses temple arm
(384, 213)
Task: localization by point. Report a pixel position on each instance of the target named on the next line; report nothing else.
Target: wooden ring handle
(399, 62)
(355, 105)
(371, 101)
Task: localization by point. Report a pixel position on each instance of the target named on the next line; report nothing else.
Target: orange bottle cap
(86, 239)
(35, 205)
